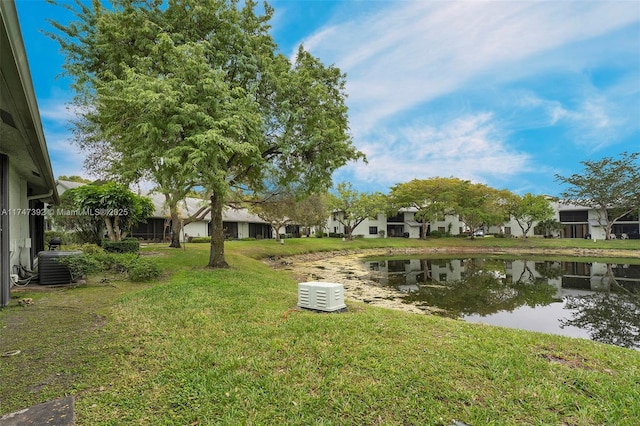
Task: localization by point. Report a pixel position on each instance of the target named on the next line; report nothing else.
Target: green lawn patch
(204, 346)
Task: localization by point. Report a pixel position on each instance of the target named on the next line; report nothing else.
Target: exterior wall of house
(372, 228)
(18, 220)
(450, 224)
(243, 230)
(333, 225)
(196, 229)
(582, 222)
(597, 232)
(412, 228)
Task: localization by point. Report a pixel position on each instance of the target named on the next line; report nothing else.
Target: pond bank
(345, 267)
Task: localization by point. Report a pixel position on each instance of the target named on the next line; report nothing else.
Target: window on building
(507, 230)
(442, 229)
(373, 230)
(397, 218)
(629, 217)
(574, 216)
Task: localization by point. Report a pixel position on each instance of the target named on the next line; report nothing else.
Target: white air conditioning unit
(321, 296)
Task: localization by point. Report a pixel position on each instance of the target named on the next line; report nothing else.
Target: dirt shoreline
(345, 267)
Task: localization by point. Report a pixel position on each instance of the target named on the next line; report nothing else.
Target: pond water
(597, 301)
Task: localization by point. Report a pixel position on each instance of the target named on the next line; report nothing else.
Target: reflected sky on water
(597, 301)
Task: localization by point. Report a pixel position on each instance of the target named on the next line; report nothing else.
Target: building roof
(65, 185)
(20, 124)
(188, 206)
(191, 205)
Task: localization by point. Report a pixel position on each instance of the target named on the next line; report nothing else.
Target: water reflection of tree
(482, 292)
(612, 316)
(549, 269)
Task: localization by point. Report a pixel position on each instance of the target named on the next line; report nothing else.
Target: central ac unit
(51, 271)
(321, 296)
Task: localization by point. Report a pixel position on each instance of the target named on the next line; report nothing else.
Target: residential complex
(577, 221)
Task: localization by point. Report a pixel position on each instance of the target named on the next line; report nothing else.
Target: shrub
(86, 248)
(124, 246)
(201, 240)
(81, 265)
(136, 268)
(117, 262)
(436, 234)
(143, 270)
(319, 234)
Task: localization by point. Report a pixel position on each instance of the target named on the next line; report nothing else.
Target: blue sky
(507, 93)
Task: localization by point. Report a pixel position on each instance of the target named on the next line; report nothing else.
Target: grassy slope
(224, 347)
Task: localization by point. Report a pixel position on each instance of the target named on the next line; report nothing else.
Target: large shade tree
(312, 212)
(610, 186)
(90, 209)
(276, 210)
(351, 207)
(193, 93)
(430, 198)
(529, 209)
(283, 207)
(479, 205)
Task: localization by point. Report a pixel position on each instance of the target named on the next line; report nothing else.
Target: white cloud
(57, 110)
(415, 51)
(594, 122)
(470, 147)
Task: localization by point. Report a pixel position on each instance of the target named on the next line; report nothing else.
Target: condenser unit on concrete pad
(321, 296)
(51, 271)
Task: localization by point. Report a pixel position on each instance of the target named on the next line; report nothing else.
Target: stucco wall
(196, 229)
(18, 220)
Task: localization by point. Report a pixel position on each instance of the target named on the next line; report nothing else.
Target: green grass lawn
(204, 346)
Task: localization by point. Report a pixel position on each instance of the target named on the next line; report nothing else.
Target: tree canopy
(312, 211)
(353, 207)
(431, 198)
(480, 205)
(90, 209)
(276, 210)
(192, 93)
(610, 186)
(529, 209)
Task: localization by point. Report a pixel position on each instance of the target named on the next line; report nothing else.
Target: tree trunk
(110, 233)
(216, 253)
(175, 221)
(176, 228)
(276, 234)
(116, 228)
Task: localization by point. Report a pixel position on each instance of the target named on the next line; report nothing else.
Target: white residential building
(578, 221)
(404, 224)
